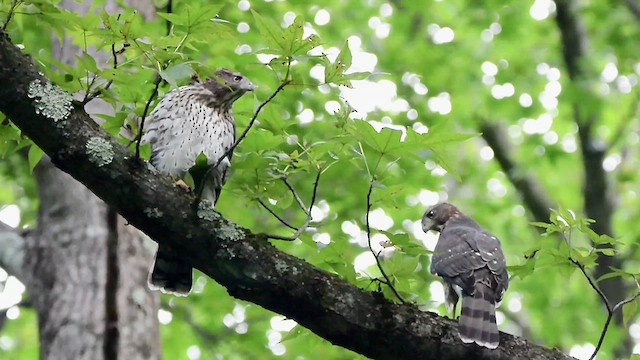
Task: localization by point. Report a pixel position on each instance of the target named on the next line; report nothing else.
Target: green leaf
(9, 137)
(293, 35)
(401, 266)
(272, 33)
(382, 142)
(178, 73)
(524, 270)
(34, 156)
(259, 140)
(436, 136)
(334, 73)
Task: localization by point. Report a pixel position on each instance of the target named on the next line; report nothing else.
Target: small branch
(533, 195)
(158, 81)
(246, 130)
(295, 195)
(14, 5)
(251, 122)
(169, 10)
(282, 221)
(307, 212)
(610, 310)
(88, 97)
(376, 256)
(144, 115)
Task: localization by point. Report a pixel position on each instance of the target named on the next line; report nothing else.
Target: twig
(610, 310)
(276, 215)
(14, 5)
(88, 97)
(158, 81)
(246, 130)
(307, 212)
(376, 256)
(251, 122)
(295, 195)
(144, 115)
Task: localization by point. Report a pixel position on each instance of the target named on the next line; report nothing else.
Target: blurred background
(506, 109)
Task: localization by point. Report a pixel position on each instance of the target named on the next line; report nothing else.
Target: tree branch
(533, 195)
(599, 200)
(634, 7)
(246, 264)
(306, 211)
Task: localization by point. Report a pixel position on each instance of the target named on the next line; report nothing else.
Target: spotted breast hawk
(472, 265)
(192, 120)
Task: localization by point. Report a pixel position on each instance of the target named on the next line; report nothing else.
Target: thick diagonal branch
(246, 264)
(533, 195)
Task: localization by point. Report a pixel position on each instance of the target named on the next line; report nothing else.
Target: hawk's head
(235, 81)
(436, 217)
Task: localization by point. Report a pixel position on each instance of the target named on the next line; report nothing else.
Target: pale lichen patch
(153, 212)
(151, 168)
(50, 100)
(230, 231)
(281, 266)
(100, 151)
(206, 212)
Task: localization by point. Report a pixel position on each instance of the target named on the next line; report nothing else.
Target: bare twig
(14, 5)
(144, 114)
(282, 221)
(228, 153)
(377, 256)
(251, 122)
(611, 310)
(88, 97)
(307, 212)
(295, 195)
(157, 83)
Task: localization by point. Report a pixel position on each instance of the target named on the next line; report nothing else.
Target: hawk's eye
(430, 214)
(237, 78)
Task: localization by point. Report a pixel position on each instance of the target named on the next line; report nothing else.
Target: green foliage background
(496, 45)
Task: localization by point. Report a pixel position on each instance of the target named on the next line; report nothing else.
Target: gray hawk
(192, 120)
(472, 265)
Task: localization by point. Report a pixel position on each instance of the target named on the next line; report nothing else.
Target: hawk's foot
(181, 184)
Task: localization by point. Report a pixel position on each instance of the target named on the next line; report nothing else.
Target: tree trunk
(85, 273)
(84, 269)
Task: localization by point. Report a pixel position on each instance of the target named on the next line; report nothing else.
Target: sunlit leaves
(335, 72)
(285, 43)
(193, 19)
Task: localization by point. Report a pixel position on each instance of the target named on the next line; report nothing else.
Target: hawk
(471, 263)
(192, 120)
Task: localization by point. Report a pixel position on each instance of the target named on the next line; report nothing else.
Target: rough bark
(246, 264)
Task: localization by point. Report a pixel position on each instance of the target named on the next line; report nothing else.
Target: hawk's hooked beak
(429, 224)
(250, 87)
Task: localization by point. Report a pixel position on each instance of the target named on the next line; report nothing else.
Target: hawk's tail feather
(169, 274)
(478, 318)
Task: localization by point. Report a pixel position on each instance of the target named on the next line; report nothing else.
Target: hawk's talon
(183, 185)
